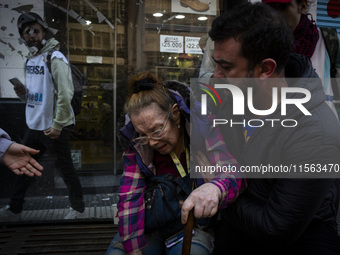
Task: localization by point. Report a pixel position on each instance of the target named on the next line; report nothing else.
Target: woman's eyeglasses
(157, 135)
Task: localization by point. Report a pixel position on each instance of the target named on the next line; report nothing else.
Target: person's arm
(223, 189)
(5, 142)
(231, 184)
(290, 207)
(63, 114)
(62, 77)
(17, 157)
(285, 213)
(131, 205)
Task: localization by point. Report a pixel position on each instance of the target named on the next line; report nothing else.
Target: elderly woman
(158, 134)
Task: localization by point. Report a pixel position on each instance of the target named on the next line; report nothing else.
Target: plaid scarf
(306, 36)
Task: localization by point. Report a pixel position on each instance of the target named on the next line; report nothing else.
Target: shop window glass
(108, 41)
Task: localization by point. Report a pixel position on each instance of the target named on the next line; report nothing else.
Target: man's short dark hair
(262, 32)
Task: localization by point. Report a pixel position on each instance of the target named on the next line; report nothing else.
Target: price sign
(192, 45)
(171, 43)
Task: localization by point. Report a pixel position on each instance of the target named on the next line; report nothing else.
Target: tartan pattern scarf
(306, 36)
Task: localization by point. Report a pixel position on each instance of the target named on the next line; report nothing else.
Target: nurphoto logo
(279, 96)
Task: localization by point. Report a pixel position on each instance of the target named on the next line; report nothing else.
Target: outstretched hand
(18, 159)
(204, 200)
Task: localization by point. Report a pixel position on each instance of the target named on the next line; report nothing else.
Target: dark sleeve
(282, 209)
(290, 207)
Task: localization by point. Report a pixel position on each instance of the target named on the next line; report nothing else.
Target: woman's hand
(204, 200)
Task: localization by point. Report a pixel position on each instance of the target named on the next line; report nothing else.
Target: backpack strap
(48, 63)
(330, 36)
(49, 58)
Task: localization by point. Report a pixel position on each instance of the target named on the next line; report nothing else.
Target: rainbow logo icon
(204, 97)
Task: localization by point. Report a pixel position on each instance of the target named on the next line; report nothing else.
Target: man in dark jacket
(280, 213)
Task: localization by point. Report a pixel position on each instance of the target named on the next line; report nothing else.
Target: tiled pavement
(86, 239)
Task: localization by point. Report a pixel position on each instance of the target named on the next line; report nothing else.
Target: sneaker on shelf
(7, 215)
(73, 214)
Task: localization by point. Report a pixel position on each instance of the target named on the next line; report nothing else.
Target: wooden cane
(189, 226)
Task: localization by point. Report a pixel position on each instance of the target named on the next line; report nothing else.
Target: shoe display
(7, 215)
(195, 5)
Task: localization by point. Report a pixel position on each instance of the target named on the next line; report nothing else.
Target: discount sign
(171, 43)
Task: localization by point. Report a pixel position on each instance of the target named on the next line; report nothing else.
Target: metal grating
(42, 228)
(54, 208)
(89, 239)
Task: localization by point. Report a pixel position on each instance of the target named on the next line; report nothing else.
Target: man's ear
(265, 69)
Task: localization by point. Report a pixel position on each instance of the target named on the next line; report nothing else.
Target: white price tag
(192, 45)
(171, 43)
